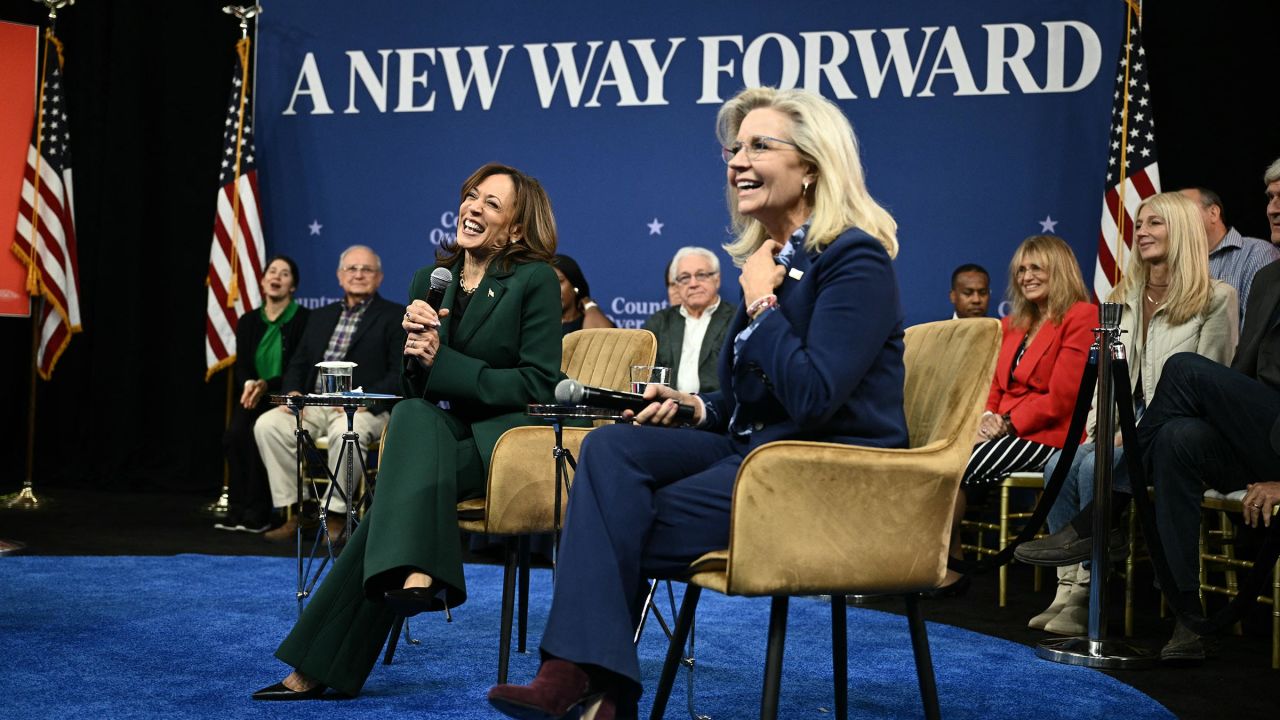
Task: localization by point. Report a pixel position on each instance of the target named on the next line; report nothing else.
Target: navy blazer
(827, 363)
(376, 348)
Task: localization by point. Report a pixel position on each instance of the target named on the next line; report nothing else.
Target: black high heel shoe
(408, 602)
(280, 691)
(955, 589)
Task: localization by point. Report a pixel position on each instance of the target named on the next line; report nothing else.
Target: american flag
(237, 254)
(46, 234)
(1132, 171)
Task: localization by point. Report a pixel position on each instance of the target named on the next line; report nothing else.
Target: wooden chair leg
(684, 621)
(508, 606)
(924, 663)
(840, 654)
(524, 594)
(773, 657)
(393, 639)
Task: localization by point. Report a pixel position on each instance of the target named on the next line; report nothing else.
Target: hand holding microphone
(659, 405)
(422, 318)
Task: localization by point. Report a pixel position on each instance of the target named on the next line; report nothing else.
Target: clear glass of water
(642, 375)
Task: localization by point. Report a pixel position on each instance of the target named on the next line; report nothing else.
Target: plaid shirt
(340, 340)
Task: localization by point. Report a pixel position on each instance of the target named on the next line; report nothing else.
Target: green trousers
(428, 463)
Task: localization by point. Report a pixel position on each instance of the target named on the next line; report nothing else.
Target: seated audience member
(577, 310)
(1171, 305)
(970, 291)
(1233, 258)
(1042, 357)
(362, 328)
(1207, 425)
(1272, 180)
(824, 344)
(691, 334)
(493, 348)
(266, 338)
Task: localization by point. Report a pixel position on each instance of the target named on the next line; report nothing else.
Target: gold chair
(1224, 559)
(1006, 527)
(520, 497)
(815, 518)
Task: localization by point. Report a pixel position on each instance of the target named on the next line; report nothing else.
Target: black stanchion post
(1097, 650)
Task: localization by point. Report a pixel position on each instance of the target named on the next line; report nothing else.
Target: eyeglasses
(686, 278)
(357, 269)
(1031, 269)
(754, 146)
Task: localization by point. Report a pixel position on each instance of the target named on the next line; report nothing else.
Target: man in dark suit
(691, 334)
(1210, 425)
(363, 328)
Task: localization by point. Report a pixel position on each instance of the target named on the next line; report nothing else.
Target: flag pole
(222, 505)
(25, 499)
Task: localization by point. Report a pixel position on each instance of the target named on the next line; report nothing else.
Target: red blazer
(1042, 393)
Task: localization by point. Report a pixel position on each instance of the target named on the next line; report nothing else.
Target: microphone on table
(440, 279)
(572, 392)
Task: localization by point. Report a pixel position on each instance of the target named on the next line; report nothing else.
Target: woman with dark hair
(265, 341)
(577, 309)
(491, 350)
(815, 352)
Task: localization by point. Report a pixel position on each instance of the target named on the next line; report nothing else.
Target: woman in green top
(265, 340)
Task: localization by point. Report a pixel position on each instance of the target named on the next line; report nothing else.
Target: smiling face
(484, 216)
(770, 186)
(278, 282)
(1151, 235)
(1032, 277)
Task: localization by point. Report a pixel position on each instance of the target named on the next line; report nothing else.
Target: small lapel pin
(795, 273)
(490, 292)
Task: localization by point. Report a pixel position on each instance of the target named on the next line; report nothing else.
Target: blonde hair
(1066, 285)
(825, 139)
(1190, 286)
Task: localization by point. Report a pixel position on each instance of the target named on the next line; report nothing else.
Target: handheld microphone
(440, 279)
(572, 392)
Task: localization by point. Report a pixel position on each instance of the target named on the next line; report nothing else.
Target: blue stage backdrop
(980, 124)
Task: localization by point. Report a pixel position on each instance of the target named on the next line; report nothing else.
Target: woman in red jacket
(1042, 357)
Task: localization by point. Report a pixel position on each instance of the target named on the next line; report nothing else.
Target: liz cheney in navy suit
(814, 353)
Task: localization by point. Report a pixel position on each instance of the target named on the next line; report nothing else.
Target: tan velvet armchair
(520, 497)
(824, 519)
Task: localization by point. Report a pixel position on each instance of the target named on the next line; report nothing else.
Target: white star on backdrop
(315, 227)
(655, 227)
(1048, 224)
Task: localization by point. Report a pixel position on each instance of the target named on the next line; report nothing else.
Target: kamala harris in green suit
(492, 350)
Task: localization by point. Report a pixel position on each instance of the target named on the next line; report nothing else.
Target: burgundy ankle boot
(560, 690)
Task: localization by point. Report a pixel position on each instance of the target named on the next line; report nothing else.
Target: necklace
(1152, 301)
(463, 287)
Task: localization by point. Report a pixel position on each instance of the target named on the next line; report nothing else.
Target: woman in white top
(1171, 305)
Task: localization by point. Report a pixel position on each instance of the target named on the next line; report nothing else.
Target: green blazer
(503, 356)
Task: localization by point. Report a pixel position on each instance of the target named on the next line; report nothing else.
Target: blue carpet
(192, 636)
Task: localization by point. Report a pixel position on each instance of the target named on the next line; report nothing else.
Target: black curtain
(128, 407)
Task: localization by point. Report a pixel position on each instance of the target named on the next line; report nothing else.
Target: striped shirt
(1237, 259)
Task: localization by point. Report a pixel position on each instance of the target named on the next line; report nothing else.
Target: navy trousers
(1207, 425)
(646, 502)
